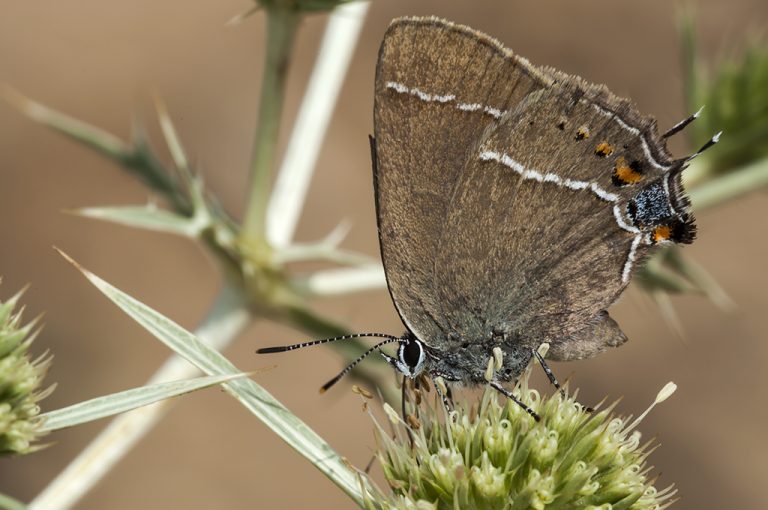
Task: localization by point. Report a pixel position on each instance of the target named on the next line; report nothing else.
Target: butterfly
(514, 202)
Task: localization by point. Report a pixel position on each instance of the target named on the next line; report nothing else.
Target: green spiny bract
(20, 380)
(500, 458)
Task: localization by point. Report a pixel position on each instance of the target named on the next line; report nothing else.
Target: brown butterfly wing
(538, 240)
(511, 198)
(439, 86)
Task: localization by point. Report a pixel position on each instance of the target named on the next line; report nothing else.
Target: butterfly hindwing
(538, 240)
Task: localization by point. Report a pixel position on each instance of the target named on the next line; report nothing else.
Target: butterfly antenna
(285, 348)
(682, 124)
(389, 340)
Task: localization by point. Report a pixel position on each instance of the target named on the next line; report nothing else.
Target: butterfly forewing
(439, 86)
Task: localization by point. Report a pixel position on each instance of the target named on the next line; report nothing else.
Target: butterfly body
(467, 363)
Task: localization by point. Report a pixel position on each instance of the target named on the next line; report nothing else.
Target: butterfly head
(411, 356)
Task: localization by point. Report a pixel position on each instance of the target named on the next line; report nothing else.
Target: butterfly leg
(445, 396)
(410, 396)
(403, 397)
(501, 389)
(548, 371)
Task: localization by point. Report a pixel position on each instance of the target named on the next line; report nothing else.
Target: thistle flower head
(20, 379)
(498, 457)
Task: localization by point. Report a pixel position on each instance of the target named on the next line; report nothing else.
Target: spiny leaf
(123, 401)
(146, 217)
(255, 398)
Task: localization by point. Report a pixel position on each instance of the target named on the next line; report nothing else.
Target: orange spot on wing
(603, 149)
(582, 133)
(625, 174)
(661, 233)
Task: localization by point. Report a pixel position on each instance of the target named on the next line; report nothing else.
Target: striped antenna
(682, 124)
(389, 340)
(285, 348)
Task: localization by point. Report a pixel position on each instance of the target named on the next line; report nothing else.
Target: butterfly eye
(411, 356)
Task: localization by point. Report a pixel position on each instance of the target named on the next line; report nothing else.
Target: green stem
(689, 61)
(138, 158)
(736, 183)
(9, 503)
(282, 23)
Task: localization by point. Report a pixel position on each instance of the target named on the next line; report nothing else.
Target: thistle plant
(21, 380)
(252, 256)
(496, 456)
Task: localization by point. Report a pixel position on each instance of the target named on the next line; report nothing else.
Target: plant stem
(138, 158)
(282, 23)
(690, 64)
(736, 183)
(340, 281)
(333, 57)
(9, 503)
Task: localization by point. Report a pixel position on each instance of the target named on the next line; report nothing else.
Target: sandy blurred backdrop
(101, 61)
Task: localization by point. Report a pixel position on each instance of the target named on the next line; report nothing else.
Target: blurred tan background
(100, 61)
